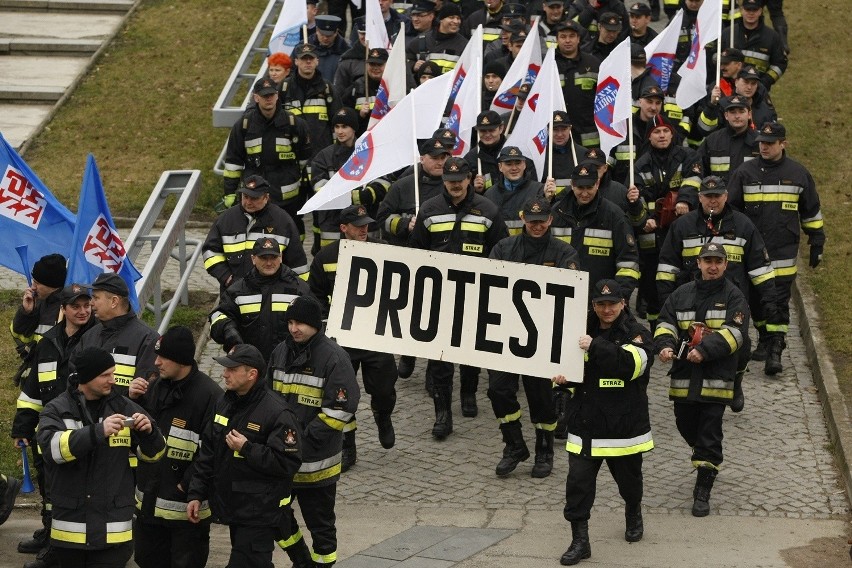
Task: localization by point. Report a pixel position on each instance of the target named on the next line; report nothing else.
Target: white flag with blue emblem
(393, 84)
(660, 52)
(524, 69)
(693, 72)
(613, 97)
(288, 29)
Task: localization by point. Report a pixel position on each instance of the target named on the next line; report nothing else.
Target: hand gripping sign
(507, 316)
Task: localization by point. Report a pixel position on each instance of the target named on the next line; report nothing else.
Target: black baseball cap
(639, 9)
(456, 169)
(487, 120)
(70, 293)
(434, 147)
(537, 209)
(607, 290)
(243, 354)
(355, 215)
(584, 175)
(712, 250)
(510, 154)
(327, 25)
(423, 7)
(771, 131)
(265, 86)
(735, 101)
(377, 55)
(712, 185)
(749, 72)
(112, 283)
(652, 91)
(610, 21)
(561, 118)
(266, 246)
(254, 186)
(304, 50)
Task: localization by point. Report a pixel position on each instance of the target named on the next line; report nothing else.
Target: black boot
(47, 557)
(40, 539)
(633, 523)
(350, 453)
(773, 364)
(387, 436)
(738, 402)
(580, 548)
(300, 555)
(759, 353)
(701, 494)
(443, 414)
(406, 366)
(468, 396)
(543, 454)
(515, 450)
(9, 489)
(655, 10)
(560, 402)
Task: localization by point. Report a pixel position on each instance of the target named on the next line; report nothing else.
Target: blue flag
(96, 246)
(33, 223)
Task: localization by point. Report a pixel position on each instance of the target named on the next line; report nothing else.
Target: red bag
(665, 207)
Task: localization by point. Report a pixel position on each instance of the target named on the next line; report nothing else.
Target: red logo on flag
(19, 200)
(103, 246)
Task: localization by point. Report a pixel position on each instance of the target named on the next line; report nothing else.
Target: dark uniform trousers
(581, 485)
(113, 557)
(317, 507)
(252, 547)
(441, 373)
(503, 393)
(781, 320)
(379, 373)
(700, 425)
(171, 545)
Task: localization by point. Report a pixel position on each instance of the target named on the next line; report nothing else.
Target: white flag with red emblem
(524, 69)
(531, 133)
(660, 52)
(693, 72)
(466, 93)
(613, 97)
(393, 84)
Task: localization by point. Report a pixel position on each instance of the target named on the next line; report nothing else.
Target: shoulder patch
(738, 318)
(638, 339)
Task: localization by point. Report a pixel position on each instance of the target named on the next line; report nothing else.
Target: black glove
(232, 339)
(816, 255)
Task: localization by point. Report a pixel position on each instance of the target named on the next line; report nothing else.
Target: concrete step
(30, 93)
(19, 120)
(121, 6)
(48, 45)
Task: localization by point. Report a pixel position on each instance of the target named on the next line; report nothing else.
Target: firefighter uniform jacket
(723, 308)
(47, 377)
(277, 149)
(712, 117)
(247, 487)
(182, 409)
(318, 382)
(748, 260)
(490, 21)
(324, 271)
(579, 79)
(486, 157)
(28, 328)
(351, 66)
(600, 234)
(761, 47)
(471, 228)
(91, 480)
(563, 164)
(227, 250)
(543, 251)
(314, 101)
(398, 206)
(359, 97)
(442, 49)
(131, 343)
(723, 151)
(511, 202)
(779, 197)
(608, 413)
(254, 310)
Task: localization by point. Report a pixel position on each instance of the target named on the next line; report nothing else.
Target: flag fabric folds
(377, 33)
(693, 72)
(96, 246)
(466, 93)
(524, 69)
(393, 84)
(531, 133)
(288, 29)
(613, 99)
(30, 216)
(660, 52)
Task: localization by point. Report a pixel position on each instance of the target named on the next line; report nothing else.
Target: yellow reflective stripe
(63, 447)
(777, 328)
(26, 402)
(757, 280)
(249, 308)
(547, 427)
(67, 531)
(628, 272)
(317, 475)
(292, 388)
(514, 417)
(729, 337)
(332, 422)
(119, 532)
(293, 539)
(329, 558)
(590, 241)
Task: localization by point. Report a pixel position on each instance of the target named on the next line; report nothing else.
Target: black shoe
(580, 548)
(511, 458)
(47, 558)
(759, 353)
(543, 454)
(40, 539)
(405, 367)
(774, 349)
(350, 453)
(634, 529)
(738, 403)
(387, 436)
(13, 486)
(468, 404)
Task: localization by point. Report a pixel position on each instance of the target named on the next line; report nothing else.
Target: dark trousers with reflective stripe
(648, 262)
(503, 393)
(700, 425)
(252, 547)
(317, 507)
(178, 544)
(442, 374)
(113, 557)
(378, 370)
(581, 485)
(783, 292)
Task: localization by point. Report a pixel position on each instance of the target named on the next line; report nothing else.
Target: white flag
(288, 29)
(613, 99)
(524, 69)
(531, 133)
(466, 92)
(693, 72)
(377, 33)
(660, 52)
(388, 147)
(393, 85)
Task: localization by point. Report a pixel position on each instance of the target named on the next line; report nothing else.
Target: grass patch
(813, 99)
(192, 316)
(146, 105)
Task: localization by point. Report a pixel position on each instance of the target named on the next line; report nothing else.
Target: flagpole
(730, 22)
(719, 43)
(416, 164)
(305, 33)
(571, 142)
(366, 74)
(632, 149)
(550, 146)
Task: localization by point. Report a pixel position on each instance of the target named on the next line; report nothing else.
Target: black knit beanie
(305, 309)
(50, 270)
(177, 345)
(91, 362)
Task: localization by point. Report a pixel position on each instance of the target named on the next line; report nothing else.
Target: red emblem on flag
(19, 200)
(103, 246)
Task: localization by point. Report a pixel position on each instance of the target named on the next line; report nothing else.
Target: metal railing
(171, 242)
